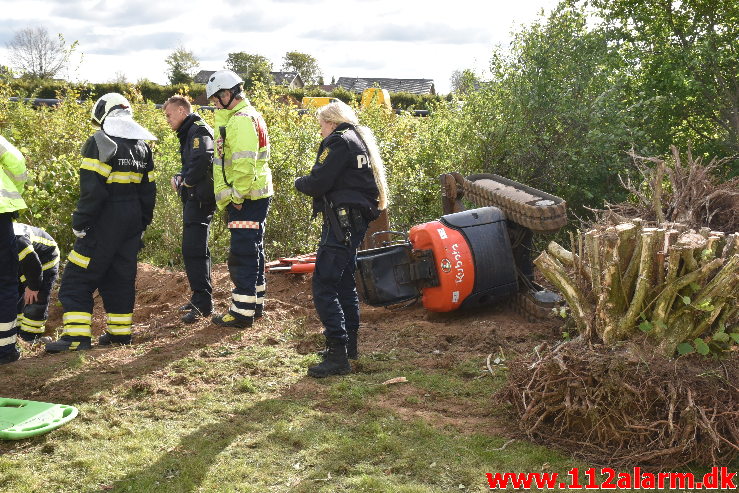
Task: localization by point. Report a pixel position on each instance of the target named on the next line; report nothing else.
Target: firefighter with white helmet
(12, 179)
(116, 204)
(243, 187)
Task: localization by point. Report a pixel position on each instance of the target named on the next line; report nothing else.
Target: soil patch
(431, 341)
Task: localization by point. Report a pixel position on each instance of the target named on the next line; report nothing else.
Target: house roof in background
(413, 86)
(285, 78)
(203, 76)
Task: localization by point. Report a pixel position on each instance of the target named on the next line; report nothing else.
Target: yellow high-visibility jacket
(12, 177)
(241, 162)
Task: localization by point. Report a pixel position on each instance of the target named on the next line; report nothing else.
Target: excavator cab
(467, 258)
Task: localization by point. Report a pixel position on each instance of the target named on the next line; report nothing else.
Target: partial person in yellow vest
(242, 182)
(38, 255)
(116, 204)
(12, 180)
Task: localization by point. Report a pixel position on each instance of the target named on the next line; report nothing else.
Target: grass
(230, 417)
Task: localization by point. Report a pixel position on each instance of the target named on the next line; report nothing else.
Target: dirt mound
(433, 341)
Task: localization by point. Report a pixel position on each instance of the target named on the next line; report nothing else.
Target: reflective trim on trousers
(119, 324)
(6, 341)
(34, 326)
(244, 298)
(243, 312)
(79, 318)
(77, 330)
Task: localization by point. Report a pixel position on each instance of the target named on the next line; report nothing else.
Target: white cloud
(366, 38)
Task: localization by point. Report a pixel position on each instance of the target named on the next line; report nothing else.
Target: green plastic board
(22, 419)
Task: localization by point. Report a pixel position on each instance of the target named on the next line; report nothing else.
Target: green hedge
(51, 139)
(156, 93)
(142, 91)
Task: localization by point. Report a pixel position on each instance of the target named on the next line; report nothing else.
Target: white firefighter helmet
(223, 79)
(114, 114)
(106, 104)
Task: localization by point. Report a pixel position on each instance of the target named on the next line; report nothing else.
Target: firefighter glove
(79, 234)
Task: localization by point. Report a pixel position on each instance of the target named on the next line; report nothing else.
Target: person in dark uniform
(38, 256)
(116, 204)
(13, 177)
(348, 186)
(195, 186)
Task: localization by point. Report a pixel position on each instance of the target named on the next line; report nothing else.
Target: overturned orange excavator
(467, 258)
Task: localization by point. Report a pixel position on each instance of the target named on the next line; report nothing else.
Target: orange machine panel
(454, 265)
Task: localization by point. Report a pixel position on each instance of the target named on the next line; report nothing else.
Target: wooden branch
(646, 267)
(612, 302)
(657, 192)
(629, 276)
(665, 300)
(565, 256)
(726, 280)
(592, 248)
(580, 310)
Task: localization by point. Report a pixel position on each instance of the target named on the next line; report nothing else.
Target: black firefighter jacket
(37, 252)
(114, 169)
(196, 151)
(342, 173)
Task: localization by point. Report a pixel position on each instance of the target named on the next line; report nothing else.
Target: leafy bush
(563, 108)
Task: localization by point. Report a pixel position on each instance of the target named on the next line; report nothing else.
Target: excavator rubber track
(531, 208)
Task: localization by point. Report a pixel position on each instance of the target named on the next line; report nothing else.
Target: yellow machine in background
(375, 95)
(370, 96)
(315, 102)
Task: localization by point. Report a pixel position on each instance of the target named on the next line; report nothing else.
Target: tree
(251, 67)
(38, 55)
(463, 82)
(685, 69)
(304, 64)
(182, 66)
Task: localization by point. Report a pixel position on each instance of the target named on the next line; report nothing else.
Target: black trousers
(334, 291)
(246, 256)
(32, 318)
(8, 284)
(105, 259)
(196, 219)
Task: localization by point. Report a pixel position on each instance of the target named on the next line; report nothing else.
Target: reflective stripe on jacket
(243, 158)
(12, 178)
(37, 252)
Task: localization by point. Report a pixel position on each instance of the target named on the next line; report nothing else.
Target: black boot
(28, 336)
(194, 315)
(228, 320)
(69, 343)
(334, 362)
(186, 307)
(10, 356)
(351, 347)
(107, 339)
(258, 312)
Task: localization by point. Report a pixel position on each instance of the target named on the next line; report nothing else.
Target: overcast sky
(418, 39)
